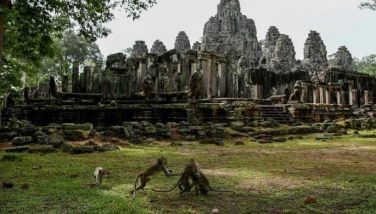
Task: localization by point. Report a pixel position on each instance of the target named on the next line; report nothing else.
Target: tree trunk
(4, 4)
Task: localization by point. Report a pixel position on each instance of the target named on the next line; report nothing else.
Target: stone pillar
(303, 94)
(366, 98)
(87, 79)
(354, 101)
(339, 97)
(315, 96)
(327, 96)
(351, 99)
(65, 83)
(321, 91)
(76, 78)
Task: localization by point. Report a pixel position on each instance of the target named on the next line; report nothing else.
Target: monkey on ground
(144, 177)
(98, 175)
(202, 185)
(191, 170)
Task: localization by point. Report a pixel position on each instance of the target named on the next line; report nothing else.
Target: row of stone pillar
(322, 95)
(81, 83)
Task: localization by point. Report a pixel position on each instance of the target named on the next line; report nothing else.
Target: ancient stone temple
(283, 56)
(343, 59)
(231, 33)
(315, 54)
(158, 48)
(211, 81)
(139, 49)
(182, 42)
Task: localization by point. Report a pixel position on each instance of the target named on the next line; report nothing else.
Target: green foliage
(32, 26)
(368, 4)
(12, 71)
(366, 65)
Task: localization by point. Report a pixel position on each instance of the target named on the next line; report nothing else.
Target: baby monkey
(98, 175)
(144, 177)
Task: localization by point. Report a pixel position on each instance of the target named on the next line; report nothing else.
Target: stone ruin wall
(232, 62)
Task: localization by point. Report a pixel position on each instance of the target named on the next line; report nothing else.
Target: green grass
(273, 178)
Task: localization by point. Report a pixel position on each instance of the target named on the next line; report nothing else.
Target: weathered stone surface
(283, 57)
(332, 128)
(42, 149)
(19, 141)
(158, 48)
(237, 126)
(182, 42)
(56, 140)
(343, 59)
(269, 44)
(196, 46)
(76, 135)
(315, 54)
(139, 49)
(73, 126)
(116, 61)
(108, 147)
(231, 33)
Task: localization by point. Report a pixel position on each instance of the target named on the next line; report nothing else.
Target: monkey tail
(135, 185)
(174, 187)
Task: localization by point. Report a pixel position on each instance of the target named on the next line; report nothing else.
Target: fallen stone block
(42, 149)
(17, 149)
(20, 141)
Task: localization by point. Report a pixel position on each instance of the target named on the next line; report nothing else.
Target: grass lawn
(272, 178)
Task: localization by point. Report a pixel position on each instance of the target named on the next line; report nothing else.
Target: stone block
(19, 141)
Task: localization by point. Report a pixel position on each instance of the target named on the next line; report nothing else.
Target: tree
(34, 22)
(369, 4)
(28, 29)
(367, 65)
(70, 49)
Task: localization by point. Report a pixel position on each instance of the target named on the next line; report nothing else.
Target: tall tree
(4, 5)
(33, 23)
(368, 4)
(367, 65)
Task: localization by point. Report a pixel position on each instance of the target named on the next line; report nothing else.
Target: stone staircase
(276, 113)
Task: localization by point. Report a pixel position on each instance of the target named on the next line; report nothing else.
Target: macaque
(191, 170)
(98, 175)
(144, 177)
(202, 185)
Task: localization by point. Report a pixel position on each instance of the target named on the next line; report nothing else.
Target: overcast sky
(340, 22)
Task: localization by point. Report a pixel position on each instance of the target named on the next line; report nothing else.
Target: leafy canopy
(369, 4)
(32, 25)
(367, 65)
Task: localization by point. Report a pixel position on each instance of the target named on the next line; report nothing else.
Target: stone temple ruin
(229, 76)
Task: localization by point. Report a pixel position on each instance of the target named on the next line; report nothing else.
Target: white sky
(340, 22)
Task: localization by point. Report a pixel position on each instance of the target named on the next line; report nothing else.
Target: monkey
(144, 177)
(202, 185)
(98, 175)
(191, 170)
